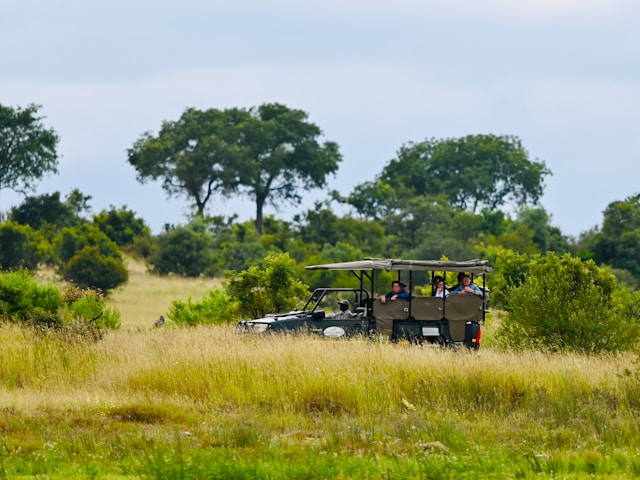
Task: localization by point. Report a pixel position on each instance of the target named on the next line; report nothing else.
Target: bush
(567, 304)
(71, 240)
(270, 289)
(88, 306)
(121, 226)
(88, 268)
(185, 251)
(20, 247)
(216, 308)
(23, 300)
(511, 269)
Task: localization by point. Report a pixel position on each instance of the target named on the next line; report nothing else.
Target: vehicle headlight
(257, 327)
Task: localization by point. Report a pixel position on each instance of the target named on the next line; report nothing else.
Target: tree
(267, 153)
(283, 156)
(473, 172)
(70, 240)
(86, 256)
(27, 148)
(195, 156)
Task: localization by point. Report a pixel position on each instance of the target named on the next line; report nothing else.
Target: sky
(561, 75)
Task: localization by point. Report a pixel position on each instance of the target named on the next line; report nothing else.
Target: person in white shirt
(441, 289)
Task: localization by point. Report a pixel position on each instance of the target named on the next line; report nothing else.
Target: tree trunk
(259, 204)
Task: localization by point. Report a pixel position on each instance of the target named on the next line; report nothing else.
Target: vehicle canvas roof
(390, 264)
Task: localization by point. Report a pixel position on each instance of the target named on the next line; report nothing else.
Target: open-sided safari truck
(423, 319)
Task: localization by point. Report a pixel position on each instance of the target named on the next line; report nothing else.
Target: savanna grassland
(204, 403)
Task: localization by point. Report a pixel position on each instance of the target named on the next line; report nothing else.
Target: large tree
(473, 172)
(196, 156)
(267, 153)
(284, 156)
(27, 148)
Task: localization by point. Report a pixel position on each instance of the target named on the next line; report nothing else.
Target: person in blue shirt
(467, 287)
(395, 293)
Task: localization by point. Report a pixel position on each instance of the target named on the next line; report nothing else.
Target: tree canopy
(283, 156)
(618, 242)
(267, 153)
(27, 148)
(195, 156)
(472, 172)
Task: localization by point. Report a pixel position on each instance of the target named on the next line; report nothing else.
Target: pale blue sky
(562, 75)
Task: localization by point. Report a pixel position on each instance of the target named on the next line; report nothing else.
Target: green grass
(204, 403)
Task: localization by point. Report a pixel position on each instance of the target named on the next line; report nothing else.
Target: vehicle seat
(427, 308)
(386, 313)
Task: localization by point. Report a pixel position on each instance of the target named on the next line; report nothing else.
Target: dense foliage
(214, 309)
(21, 247)
(27, 148)
(470, 173)
(25, 301)
(564, 303)
(122, 226)
(87, 257)
(268, 153)
(271, 288)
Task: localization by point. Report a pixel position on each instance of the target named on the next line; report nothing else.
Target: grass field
(204, 403)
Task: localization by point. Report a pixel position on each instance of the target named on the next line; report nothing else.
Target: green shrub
(89, 268)
(216, 308)
(510, 271)
(121, 225)
(567, 304)
(185, 251)
(88, 306)
(71, 240)
(20, 247)
(273, 288)
(23, 300)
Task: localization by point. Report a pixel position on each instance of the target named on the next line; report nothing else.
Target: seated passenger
(467, 287)
(441, 289)
(460, 277)
(395, 293)
(344, 313)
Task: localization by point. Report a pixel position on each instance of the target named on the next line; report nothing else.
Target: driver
(344, 313)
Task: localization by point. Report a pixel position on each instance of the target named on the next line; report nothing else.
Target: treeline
(437, 198)
(89, 247)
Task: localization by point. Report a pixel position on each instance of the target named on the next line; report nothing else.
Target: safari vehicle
(423, 319)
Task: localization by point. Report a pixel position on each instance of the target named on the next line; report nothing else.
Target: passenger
(467, 287)
(395, 293)
(460, 277)
(441, 289)
(345, 313)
